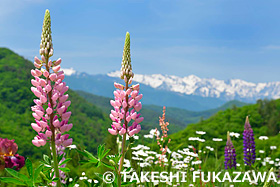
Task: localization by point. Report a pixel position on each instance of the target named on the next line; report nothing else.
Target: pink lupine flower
(50, 93)
(126, 103)
(50, 90)
(50, 109)
(125, 112)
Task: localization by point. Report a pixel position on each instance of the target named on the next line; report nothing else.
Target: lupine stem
(55, 161)
(124, 137)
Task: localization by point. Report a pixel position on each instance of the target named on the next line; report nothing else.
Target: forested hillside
(90, 123)
(178, 118)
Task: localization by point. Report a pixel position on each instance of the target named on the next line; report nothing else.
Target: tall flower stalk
(161, 140)
(50, 110)
(249, 144)
(230, 154)
(126, 104)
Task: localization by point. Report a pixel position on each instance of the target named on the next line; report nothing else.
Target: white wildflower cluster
(200, 132)
(196, 139)
(210, 148)
(217, 139)
(153, 133)
(273, 147)
(182, 159)
(144, 157)
(268, 161)
(83, 178)
(233, 134)
(263, 138)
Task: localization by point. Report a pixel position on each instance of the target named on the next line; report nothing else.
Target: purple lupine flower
(127, 99)
(8, 156)
(248, 144)
(230, 155)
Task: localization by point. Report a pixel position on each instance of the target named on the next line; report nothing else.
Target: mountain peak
(210, 87)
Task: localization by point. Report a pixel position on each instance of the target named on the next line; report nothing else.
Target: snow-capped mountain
(233, 89)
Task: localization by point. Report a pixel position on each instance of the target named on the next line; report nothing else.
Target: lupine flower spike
(8, 156)
(230, 155)
(127, 100)
(50, 112)
(126, 104)
(248, 144)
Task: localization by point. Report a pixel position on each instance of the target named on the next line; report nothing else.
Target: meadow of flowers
(137, 156)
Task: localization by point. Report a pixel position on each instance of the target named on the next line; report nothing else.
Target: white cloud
(272, 47)
(69, 71)
(11, 7)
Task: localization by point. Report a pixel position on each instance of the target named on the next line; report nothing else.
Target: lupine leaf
(17, 174)
(64, 169)
(82, 153)
(29, 167)
(55, 179)
(83, 161)
(46, 159)
(37, 171)
(100, 151)
(65, 161)
(12, 181)
(105, 153)
(90, 156)
(108, 166)
(60, 157)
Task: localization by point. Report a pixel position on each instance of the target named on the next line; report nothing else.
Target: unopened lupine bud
(118, 86)
(126, 69)
(46, 46)
(57, 62)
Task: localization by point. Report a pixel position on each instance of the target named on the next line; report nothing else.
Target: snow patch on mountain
(193, 85)
(69, 71)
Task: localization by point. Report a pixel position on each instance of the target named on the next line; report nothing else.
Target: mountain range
(190, 93)
(233, 89)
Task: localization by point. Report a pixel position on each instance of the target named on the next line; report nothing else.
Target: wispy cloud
(9, 8)
(272, 47)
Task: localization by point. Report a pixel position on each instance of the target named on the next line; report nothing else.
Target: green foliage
(89, 122)
(178, 118)
(101, 153)
(264, 119)
(20, 179)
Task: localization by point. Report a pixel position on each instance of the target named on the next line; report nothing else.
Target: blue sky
(214, 38)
